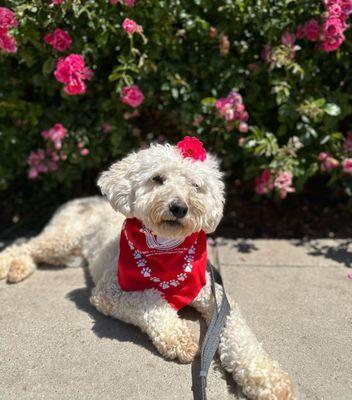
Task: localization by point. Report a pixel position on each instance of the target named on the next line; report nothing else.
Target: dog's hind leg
(149, 311)
(52, 246)
(243, 356)
(58, 244)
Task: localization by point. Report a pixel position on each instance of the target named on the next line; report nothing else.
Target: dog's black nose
(178, 208)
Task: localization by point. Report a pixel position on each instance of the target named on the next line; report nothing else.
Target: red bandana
(175, 267)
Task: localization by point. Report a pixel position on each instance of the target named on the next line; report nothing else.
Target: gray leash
(212, 337)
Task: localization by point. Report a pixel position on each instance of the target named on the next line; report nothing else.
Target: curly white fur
(87, 230)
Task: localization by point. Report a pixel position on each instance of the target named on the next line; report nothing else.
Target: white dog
(168, 196)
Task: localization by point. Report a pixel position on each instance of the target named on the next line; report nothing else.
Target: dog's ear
(216, 194)
(116, 184)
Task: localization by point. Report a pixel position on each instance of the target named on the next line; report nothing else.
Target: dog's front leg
(242, 355)
(151, 313)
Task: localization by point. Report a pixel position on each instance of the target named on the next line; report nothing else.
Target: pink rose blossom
(60, 40)
(42, 162)
(347, 145)
(231, 108)
(243, 127)
(129, 3)
(310, 31)
(334, 10)
(288, 39)
(56, 134)
(7, 21)
(347, 165)
(71, 71)
(7, 18)
(57, 2)
(213, 32)
(332, 34)
(131, 27)
(7, 42)
(283, 183)
(327, 162)
(266, 53)
(346, 7)
(132, 96)
(264, 184)
(191, 147)
(84, 152)
(106, 127)
(241, 141)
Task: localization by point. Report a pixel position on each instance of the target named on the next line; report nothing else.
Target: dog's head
(172, 195)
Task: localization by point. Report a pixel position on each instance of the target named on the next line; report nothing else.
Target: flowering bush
(84, 81)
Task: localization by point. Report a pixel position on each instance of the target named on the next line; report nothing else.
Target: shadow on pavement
(341, 252)
(105, 327)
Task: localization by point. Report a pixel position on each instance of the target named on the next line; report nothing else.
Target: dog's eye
(158, 179)
(195, 186)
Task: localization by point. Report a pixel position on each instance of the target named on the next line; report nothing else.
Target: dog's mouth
(172, 223)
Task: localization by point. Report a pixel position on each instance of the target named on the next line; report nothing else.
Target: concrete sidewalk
(295, 295)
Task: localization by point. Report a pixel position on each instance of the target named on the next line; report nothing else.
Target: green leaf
(332, 109)
(208, 101)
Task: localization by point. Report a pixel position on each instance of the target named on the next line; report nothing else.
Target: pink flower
(288, 39)
(57, 2)
(106, 127)
(232, 108)
(349, 275)
(334, 10)
(7, 18)
(213, 32)
(56, 134)
(346, 6)
(191, 147)
(42, 162)
(266, 53)
(327, 162)
(7, 42)
(132, 96)
(243, 127)
(310, 31)
(264, 184)
(332, 34)
(129, 3)
(84, 152)
(347, 165)
(347, 145)
(60, 40)
(283, 182)
(241, 141)
(72, 71)
(131, 27)
(7, 21)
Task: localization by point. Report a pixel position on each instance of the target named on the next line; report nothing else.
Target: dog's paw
(20, 268)
(5, 262)
(187, 349)
(269, 383)
(178, 343)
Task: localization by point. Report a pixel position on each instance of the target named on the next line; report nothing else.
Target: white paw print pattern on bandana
(147, 272)
(181, 277)
(164, 285)
(141, 263)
